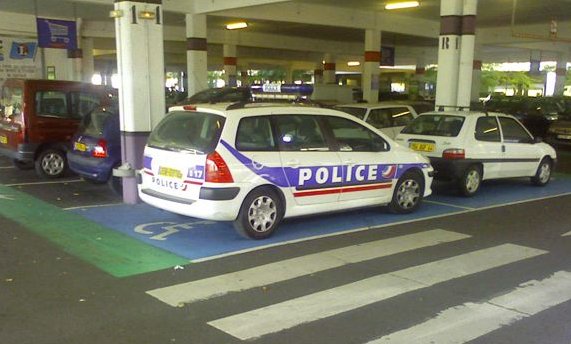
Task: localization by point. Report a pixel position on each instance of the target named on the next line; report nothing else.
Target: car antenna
(485, 103)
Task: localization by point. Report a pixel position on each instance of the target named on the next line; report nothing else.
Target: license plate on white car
(3, 139)
(422, 146)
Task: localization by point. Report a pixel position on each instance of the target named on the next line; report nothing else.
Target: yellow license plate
(79, 146)
(422, 146)
(3, 139)
(170, 172)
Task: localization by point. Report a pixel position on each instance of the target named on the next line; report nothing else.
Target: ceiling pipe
(551, 37)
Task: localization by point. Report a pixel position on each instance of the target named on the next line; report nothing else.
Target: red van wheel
(51, 163)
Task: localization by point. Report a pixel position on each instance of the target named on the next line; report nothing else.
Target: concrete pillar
(74, 64)
(419, 74)
(58, 61)
(140, 62)
(230, 62)
(466, 67)
(476, 80)
(561, 74)
(87, 62)
(244, 77)
(372, 60)
(196, 53)
(448, 54)
(289, 75)
(318, 73)
(329, 69)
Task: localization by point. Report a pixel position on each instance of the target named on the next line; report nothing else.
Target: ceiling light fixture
(401, 4)
(238, 25)
(353, 63)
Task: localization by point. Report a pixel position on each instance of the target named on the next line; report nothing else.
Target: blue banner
(59, 34)
(25, 50)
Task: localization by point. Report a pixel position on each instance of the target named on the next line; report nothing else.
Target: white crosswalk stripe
(300, 266)
(472, 320)
(320, 305)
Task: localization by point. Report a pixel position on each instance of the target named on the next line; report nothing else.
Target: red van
(39, 117)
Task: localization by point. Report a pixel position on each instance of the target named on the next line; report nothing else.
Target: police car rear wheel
(408, 193)
(543, 174)
(260, 214)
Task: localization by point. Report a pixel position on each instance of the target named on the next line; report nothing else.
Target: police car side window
(353, 137)
(300, 133)
(255, 134)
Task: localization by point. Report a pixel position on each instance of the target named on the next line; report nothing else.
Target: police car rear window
(194, 132)
(435, 125)
(357, 112)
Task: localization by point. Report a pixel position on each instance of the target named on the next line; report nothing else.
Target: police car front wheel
(408, 193)
(260, 214)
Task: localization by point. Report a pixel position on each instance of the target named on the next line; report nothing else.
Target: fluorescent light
(353, 63)
(239, 25)
(146, 15)
(402, 4)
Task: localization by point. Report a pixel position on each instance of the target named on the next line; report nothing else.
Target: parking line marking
(567, 234)
(300, 266)
(327, 303)
(470, 320)
(93, 206)
(47, 182)
(448, 204)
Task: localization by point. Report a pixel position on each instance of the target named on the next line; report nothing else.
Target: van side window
(83, 103)
(52, 104)
(255, 134)
(487, 129)
(353, 137)
(300, 133)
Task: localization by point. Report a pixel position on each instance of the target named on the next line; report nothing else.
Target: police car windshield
(435, 125)
(190, 132)
(357, 112)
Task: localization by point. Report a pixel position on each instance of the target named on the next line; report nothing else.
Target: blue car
(96, 148)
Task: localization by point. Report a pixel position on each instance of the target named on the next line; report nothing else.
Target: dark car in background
(536, 113)
(96, 148)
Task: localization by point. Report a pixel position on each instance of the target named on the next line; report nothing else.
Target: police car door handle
(293, 163)
(503, 148)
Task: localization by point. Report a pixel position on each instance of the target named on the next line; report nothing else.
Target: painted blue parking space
(196, 239)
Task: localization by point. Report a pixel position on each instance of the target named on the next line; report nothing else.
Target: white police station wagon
(256, 165)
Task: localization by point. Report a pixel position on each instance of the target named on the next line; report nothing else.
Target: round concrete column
(372, 59)
(230, 63)
(448, 54)
(468, 40)
(196, 53)
(329, 70)
(561, 74)
(476, 80)
(318, 73)
(140, 62)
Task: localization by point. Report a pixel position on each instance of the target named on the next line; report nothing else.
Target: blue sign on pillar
(58, 34)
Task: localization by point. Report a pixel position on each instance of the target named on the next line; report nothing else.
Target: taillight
(100, 150)
(189, 107)
(217, 170)
(454, 153)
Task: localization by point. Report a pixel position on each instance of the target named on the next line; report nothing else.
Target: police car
(469, 147)
(255, 165)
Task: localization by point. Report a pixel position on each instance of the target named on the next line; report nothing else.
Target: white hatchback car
(388, 117)
(257, 165)
(473, 146)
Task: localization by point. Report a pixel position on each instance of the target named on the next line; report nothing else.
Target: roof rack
(271, 102)
(441, 108)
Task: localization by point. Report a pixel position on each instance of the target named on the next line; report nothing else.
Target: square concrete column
(318, 73)
(466, 67)
(372, 60)
(230, 65)
(561, 74)
(140, 61)
(196, 53)
(329, 69)
(449, 54)
(87, 62)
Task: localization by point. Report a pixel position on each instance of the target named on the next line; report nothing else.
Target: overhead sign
(58, 34)
(23, 50)
(18, 58)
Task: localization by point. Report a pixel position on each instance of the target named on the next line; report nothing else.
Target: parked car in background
(39, 118)
(218, 95)
(255, 165)
(468, 147)
(389, 117)
(96, 148)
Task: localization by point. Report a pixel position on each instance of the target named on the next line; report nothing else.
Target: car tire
(51, 163)
(23, 165)
(408, 193)
(260, 214)
(471, 180)
(543, 174)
